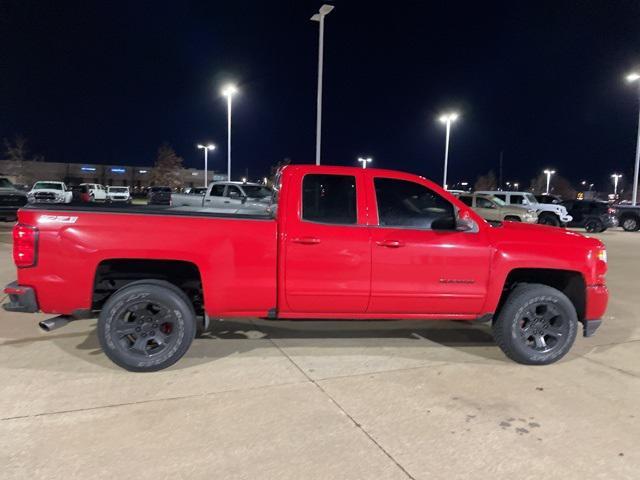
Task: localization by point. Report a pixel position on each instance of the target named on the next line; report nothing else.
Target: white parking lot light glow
(364, 161)
(229, 90)
(634, 77)
(616, 177)
(206, 149)
(548, 173)
(447, 119)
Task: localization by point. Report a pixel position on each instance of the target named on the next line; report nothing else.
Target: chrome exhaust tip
(54, 323)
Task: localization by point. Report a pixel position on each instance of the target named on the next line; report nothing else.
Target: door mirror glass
(464, 222)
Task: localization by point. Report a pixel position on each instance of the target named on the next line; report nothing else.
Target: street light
(319, 17)
(447, 119)
(548, 173)
(616, 177)
(516, 185)
(206, 149)
(364, 161)
(229, 91)
(634, 77)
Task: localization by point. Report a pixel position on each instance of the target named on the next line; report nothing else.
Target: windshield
(47, 185)
(4, 183)
(118, 189)
(256, 191)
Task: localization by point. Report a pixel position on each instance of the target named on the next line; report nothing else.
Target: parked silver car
(227, 197)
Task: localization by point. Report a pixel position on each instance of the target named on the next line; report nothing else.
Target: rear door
(327, 265)
(215, 198)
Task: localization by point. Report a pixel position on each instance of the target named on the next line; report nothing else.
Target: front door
(421, 265)
(328, 253)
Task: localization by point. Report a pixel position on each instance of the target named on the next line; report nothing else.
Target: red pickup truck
(336, 243)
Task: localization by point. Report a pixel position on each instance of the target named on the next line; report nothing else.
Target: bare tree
(558, 186)
(167, 169)
(16, 152)
(486, 182)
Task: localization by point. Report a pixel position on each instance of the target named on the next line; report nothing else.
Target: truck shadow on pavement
(226, 338)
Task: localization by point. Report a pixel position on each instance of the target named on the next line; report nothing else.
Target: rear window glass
(329, 199)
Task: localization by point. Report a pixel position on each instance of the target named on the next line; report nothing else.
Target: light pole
(447, 119)
(319, 17)
(634, 77)
(229, 91)
(548, 173)
(364, 161)
(206, 149)
(616, 177)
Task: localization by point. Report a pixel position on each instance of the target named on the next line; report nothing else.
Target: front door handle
(306, 240)
(390, 243)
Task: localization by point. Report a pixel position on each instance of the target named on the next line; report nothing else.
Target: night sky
(107, 82)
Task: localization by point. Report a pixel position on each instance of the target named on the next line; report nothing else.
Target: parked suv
(11, 199)
(548, 213)
(593, 215)
(118, 194)
(97, 192)
(159, 196)
(493, 209)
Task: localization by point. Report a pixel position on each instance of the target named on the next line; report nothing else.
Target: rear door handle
(390, 243)
(306, 240)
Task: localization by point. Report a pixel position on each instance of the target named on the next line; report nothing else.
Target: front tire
(145, 327)
(549, 219)
(537, 325)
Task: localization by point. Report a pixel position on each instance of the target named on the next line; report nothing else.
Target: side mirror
(464, 222)
(244, 200)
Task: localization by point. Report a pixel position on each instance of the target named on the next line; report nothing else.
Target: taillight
(25, 245)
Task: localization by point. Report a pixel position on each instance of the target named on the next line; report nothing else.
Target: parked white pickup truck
(49, 192)
(548, 213)
(226, 197)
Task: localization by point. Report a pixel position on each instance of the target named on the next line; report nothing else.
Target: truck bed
(226, 251)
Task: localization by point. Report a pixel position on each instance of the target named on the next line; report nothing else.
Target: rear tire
(146, 326)
(537, 325)
(630, 223)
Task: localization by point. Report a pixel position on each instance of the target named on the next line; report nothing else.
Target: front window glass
(256, 191)
(4, 183)
(217, 191)
(407, 204)
(233, 192)
(517, 199)
(482, 202)
(329, 199)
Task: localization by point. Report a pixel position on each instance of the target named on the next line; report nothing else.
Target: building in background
(27, 172)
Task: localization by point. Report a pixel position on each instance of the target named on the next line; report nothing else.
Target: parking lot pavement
(326, 400)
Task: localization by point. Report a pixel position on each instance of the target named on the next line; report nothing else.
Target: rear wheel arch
(113, 274)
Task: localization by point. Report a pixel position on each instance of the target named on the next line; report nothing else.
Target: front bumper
(21, 299)
(566, 218)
